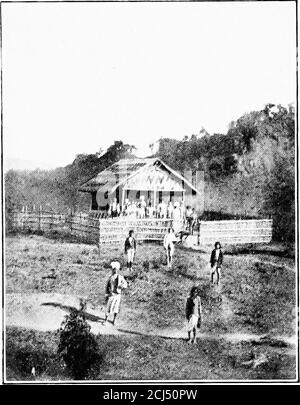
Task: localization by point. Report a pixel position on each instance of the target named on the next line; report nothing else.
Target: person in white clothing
(169, 240)
(177, 221)
(163, 209)
(130, 249)
(170, 210)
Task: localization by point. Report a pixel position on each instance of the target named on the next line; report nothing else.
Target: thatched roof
(138, 174)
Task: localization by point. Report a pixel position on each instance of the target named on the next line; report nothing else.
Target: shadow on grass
(200, 249)
(61, 236)
(271, 250)
(95, 318)
(67, 308)
(137, 333)
(278, 250)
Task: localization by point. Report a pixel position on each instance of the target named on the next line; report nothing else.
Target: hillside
(248, 172)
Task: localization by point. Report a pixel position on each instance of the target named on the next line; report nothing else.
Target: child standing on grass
(130, 249)
(193, 312)
(216, 260)
(168, 243)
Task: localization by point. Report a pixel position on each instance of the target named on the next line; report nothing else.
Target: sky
(78, 76)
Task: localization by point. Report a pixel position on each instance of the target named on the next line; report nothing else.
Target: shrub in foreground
(77, 345)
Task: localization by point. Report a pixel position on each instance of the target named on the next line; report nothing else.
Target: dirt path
(45, 312)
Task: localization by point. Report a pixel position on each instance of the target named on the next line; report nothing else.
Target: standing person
(158, 210)
(189, 219)
(126, 207)
(115, 284)
(143, 207)
(150, 210)
(169, 240)
(177, 222)
(115, 208)
(216, 260)
(170, 210)
(130, 249)
(193, 311)
(182, 211)
(194, 220)
(163, 209)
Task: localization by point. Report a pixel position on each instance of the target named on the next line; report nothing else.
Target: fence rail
(236, 231)
(145, 229)
(111, 231)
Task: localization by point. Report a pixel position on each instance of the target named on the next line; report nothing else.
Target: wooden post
(184, 211)
(123, 199)
(154, 201)
(71, 218)
(25, 218)
(39, 217)
(99, 237)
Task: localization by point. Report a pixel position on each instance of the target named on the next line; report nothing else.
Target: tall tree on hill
(86, 166)
(279, 197)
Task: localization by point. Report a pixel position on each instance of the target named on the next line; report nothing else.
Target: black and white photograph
(149, 193)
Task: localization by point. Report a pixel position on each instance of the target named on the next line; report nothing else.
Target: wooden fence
(235, 232)
(80, 225)
(91, 228)
(38, 221)
(112, 231)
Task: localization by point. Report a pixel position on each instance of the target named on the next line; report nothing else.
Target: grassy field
(257, 296)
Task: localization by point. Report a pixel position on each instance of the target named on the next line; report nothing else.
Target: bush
(146, 265)
(77, 346)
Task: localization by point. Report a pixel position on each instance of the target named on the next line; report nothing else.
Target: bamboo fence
(91, 227)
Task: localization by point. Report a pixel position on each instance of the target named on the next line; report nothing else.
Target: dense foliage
(250, 170)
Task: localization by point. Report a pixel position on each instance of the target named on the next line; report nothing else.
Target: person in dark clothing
(130, 249)
(216, 260)
(114, 287)
(193, 311)
(194, 221)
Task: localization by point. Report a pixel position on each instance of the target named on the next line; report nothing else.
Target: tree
(279, 198)
(77, 346)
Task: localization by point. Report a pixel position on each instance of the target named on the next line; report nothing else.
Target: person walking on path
(193, 311)
(169, 240)
(115, 284)
(216, 260)
(130, 249)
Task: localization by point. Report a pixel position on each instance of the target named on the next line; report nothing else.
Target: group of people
(193, 308)
(145, 209)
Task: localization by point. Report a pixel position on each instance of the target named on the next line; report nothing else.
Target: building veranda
(144, 188)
